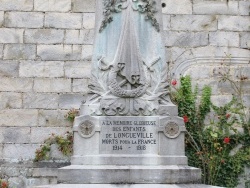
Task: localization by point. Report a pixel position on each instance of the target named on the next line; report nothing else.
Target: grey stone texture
(19, 51)
(224, 39)
(177, 7)
(128, 186)
(10, 100)
(1, 18)
(52, 85)
(83, 6)
(244, 8)
(24, 19)
(69, 101)
(11, 35)
(9, 68)
(245, 40)
(1, 50)
(20, 5)
(79, 37)
(63, 20)
(52, 5)
(233, 23)
(16, 84)
(44, 36)
(76, 69)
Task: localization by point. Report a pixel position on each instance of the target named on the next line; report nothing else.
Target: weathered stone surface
(83, 6)
(200, 72)
(43, 36)
(221, 100)
(80, 86)
(16, 182)
(31, 182)
(10, 100)
(44, 172)
(69, 101)
(245, 40)
(186, 39)
(41, 69)
(1, 50)
(177, 7)
(1, 151)
(233, 23)
(18, 117)
(16, 84)
(194, 22)
(15, 135)
(88, 20)
(19, 5)
(53, 118)
(24, 19)
(52, 5)
(19, 51)
(57, 155)
(77, 69)
(11, 35)
(87, 51)
(40, 101)
(1, 18)
(224, 39)
(52, 85)
(166, 22)
(21, 152)
(9, 68)
(244, 8)
(59, 52)
(215, 7)
(40, 134)
(79, 37)
(63, 20)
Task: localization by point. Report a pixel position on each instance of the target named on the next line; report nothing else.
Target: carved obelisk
(128, 130)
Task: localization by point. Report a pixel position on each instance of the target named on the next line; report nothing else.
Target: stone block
(18, 117)
(17, 182)
(215, 7)
(166, 22)
(19, 152)
(1, 50)
(80, 86)
(41, 69)
(15, 135)
(44, 172)
(40, 134)
(40, 101)
(186, 39)
(9, 68)
(24, 19)
(43, 36)
(16, 84)
(19, 51)
(57, 155)
(32, 182)
(77, 69)
(87, 51)
(10, 100)
(69, 101)
(177, 7)
(233, 23)
(11, 35)
(83, 6)
(1, 18)
(20, 5)
(79, 37)
(224, 39)
(53, 118)
(59, 52)
(52, 5)
(88, 20)
(245, 40)
(52, 85)
(221, 100)
(244, 8)
(1, 152)
(194, 22)
(199, 72)
(63, 20)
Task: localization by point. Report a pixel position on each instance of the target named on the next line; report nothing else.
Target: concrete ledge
(127, 186)
(113, 174)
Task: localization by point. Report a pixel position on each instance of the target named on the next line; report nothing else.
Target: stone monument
(128, 131)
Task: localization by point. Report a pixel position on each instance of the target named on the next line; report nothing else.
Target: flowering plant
(213, 142)
(3, 184)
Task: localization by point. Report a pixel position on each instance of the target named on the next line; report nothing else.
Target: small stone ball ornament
(171, 130)
(86, 129)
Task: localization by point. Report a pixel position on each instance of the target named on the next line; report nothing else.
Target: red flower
(174, 82)
(185, 118)
(222, 161)
(226, 140)
(228, 116)
(4, 184)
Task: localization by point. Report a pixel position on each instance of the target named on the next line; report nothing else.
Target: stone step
(127, 186)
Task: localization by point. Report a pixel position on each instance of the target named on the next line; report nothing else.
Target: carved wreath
(86, 129)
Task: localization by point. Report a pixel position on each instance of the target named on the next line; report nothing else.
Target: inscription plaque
(129, 135)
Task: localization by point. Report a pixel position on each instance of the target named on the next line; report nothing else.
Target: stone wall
(45, 58)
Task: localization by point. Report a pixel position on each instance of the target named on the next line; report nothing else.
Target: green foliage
(64, 143)
(70, 116)
(213, 143)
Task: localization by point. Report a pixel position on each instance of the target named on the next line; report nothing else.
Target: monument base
(127, 186)
(113, 174)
